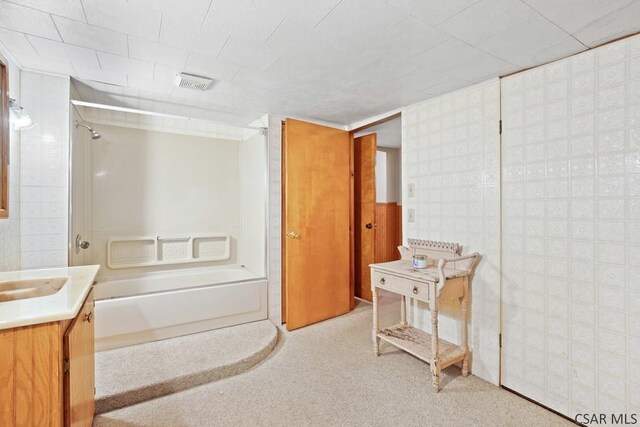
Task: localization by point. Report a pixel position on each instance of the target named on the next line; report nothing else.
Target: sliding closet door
(571, 231)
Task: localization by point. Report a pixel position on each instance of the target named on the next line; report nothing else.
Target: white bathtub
(164, 305)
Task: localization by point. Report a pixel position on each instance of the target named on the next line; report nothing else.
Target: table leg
(435, 362)
(403, 310)
(376, 340)
(465, 339)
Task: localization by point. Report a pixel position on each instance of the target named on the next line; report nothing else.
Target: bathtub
(157, 306)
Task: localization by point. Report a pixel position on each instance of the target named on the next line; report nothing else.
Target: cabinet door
(79, 398)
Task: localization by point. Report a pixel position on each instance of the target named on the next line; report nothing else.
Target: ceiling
(333, 60)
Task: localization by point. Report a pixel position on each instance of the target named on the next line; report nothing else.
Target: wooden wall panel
(388, 231)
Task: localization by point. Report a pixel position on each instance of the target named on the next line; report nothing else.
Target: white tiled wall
(275, 219)
(451, 151)
(44, 171)
(10, 227)
(571, 212)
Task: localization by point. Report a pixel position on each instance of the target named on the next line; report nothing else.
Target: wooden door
(364, 160)
(316, 198)
(79, 380)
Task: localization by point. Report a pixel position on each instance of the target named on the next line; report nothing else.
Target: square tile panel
(590, 251)
(457, 198)
(27, 20)
(487, 18)
(91, 36)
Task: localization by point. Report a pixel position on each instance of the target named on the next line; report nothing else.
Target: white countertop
(64, 304)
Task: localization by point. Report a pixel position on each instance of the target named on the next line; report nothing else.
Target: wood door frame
(362, 283)
(352, 231)
(283, 192)
(352, 133)
(283, 217)
(283, 284)
(5, 124)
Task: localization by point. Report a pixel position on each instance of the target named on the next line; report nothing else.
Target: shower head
(94, 134)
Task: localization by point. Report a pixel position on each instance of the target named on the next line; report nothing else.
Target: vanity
(47, 347)
(446, 277)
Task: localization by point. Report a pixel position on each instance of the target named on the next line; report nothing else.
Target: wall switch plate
(412, 190)
(411, 215)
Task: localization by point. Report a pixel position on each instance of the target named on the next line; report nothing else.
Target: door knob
(292, 235)
(369, 226)
(81, 244)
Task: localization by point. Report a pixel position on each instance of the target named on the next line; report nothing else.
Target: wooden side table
(447, 278)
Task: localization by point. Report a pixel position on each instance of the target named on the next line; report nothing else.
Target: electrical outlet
(412, 190)
(411, 215)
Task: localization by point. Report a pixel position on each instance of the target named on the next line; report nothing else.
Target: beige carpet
(130, 375)
(327, 375)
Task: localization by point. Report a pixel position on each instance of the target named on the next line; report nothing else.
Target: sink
(23, 289)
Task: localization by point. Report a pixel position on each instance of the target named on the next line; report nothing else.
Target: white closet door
(571, 231)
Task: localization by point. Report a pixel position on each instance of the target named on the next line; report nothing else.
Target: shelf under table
(418, 343)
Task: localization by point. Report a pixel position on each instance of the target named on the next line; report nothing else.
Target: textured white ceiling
(334, 60)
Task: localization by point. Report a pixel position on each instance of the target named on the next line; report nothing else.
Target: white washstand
(445, 278)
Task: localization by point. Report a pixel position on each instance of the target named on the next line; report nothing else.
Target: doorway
(341, 212)
(317, 223)
(378, 199)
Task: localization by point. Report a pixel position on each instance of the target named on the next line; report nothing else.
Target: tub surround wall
(275, 219)
(155, 183)
(253, 190)
(44, 166)
(81, 207)
(148, 183)
(451, 152)
(571, 227)
(173, 125)
(10, 227)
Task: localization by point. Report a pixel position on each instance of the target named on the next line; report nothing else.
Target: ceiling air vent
(192, 81)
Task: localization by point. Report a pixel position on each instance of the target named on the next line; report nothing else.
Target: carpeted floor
(159, 368)
(326, 375)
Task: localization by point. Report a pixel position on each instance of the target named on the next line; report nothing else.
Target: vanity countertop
(62, 305)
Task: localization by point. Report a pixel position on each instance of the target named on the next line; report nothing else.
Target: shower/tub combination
(174, 210)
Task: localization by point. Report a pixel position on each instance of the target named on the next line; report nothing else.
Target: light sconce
(19, 118)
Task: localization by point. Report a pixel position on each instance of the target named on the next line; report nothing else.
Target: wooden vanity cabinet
(47, 372)
(78, 368)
